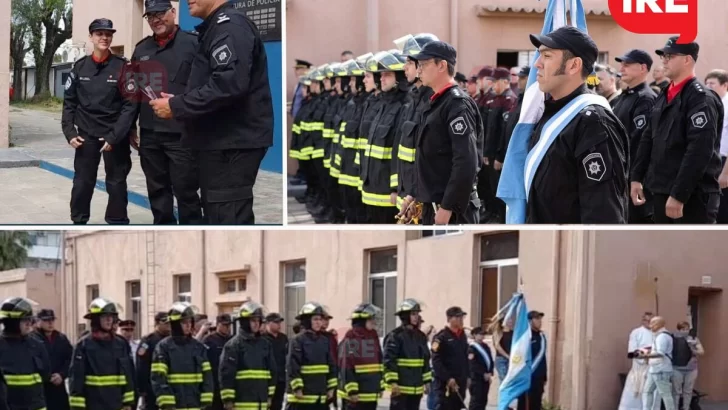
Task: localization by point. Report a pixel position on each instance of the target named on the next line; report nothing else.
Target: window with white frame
(383, 287)
(294, 289)
(441, 232)
(183, 288)
(499, 278)
(134, 305)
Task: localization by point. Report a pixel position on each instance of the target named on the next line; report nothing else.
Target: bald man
(659, 376)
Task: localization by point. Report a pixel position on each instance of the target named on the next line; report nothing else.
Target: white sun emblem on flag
(594, 168)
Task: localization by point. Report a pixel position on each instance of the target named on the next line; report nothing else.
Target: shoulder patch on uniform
(222, 55)
(142, 349)
(435, 346)
(594, 166)
(699, 119)
(458, 126)
(506, 115)
(640, 121)
(471, 356)
(222, 18)
(69, 82)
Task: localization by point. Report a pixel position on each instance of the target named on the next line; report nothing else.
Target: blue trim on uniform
(273, 160)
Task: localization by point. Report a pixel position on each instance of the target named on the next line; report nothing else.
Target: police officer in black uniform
(582, 178)
(144, 360)
(512, 117)
(678, 159)
(532, 399)
(96, 119)
(279, 342)
(59, 351)
(214, 342)
(227, 110)
(634, 108)
(163, 63)
(450, 362)
(481, 366)
(449, 143)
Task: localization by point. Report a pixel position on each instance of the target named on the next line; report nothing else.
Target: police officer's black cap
(437, 49)
(460, 77)
(534, 314)
(672, 47)
(274, 317)
(127, 323)
(571, 39)
(46, 314)
(161, 317)
(101, 25)
(156, 6)
(454, 311)
(525, 71)
(223, 319)
(303, 64)
(636, 56)
(477, 331)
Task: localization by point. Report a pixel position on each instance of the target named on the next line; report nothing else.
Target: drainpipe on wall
(74, 294)
(554, 318)
(454, 27)
(204, 270)
(261, 269)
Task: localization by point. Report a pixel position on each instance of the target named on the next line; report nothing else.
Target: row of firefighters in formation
(355, 135)
(249, 371)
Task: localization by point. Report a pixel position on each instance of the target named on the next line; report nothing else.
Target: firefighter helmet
(311, 309)
(409, 305)
(366, 311)
(17, 308)
(385, 61)
(250, 310)
(102, 306)
(181, 311)
(412, 45)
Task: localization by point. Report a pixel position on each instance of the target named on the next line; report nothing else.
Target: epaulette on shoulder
(590, 111)
(191, 32)
(122, 58)
(699, 87)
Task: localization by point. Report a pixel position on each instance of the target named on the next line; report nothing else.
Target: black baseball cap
(127, 323)
(156, 6)
(454, 311)
(525, 71)
(46, 314)
(101, 25)
(223, 319)
(274, 317)
(636, 56)
(572, 39)
(477, 331)
(161, 317)
(437, 49)
(460, 77)
(534, 314)
(672, 47)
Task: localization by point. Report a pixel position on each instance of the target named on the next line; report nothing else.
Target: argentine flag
(512, 188)
(518, 379)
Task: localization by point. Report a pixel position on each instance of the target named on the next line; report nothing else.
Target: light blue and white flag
(518, 379)
(514, 184)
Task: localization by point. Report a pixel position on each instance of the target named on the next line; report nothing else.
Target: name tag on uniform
(84, 79)
(144, 58)
(111, 81)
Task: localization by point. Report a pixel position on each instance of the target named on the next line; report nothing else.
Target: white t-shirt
(724, 135)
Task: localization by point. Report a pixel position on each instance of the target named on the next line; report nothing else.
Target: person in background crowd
(659, 375)
(144, 360)
(717, 80)
(214, 342)
(685, 374)
(462, 81)
(639, 339)
(332, 337)
(515, 76)
(450, 361)
(660, 81)
(532, 399)
(202, 326)
(279, 342)
(512, 117)
(346, 56)
(502, 339)
(607, 87)
(126, 330)
(59, 351)
(472, 88)
(301, 68)
(296, 328)
(481, 368)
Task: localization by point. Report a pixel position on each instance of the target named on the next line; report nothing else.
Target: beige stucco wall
(318, 30)
(39, 285)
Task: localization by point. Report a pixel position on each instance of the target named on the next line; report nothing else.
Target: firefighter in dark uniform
(333, 338)
(481, 367)
(102, 373)
(228, 76)
(214, 342)
(181, 374)
(279, 343)
(449, 143)
(3, 392)
(342, 84)
(679, 157)
(144, 360)
(411, 120)
(503, 101)
(360, 360)
(634, 108)
(532, 399)
(582, 178)
(407, 370)
(311, 380)
(23, 359)
(318, 135)
(96, 119)
(248, 370)
(163, 62)
(450, 362)
(296, 149)
(59, 351)
(378, 170)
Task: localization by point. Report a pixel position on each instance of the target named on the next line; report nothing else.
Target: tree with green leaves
(19, 47)
(14, 249)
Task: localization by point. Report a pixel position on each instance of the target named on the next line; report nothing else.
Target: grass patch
(52, 104)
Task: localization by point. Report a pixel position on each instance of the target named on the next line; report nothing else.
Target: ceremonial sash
(484, 355)
(541, 353)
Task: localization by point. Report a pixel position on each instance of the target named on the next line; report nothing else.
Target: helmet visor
(248, 309)
(23, 306)
(411, 305)
(403, 42)
(384, 61)
(101, 305)
(352, 68)
(179, 308)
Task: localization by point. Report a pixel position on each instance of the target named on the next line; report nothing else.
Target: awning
(494, 10)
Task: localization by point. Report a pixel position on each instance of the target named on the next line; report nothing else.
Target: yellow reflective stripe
(331, 383)
(113, 380)
(317, 153)
(337, 159)
(328, 133)
(394, 180)
(376, 199)
(411, 390)
(368, 368)
(295, 129)
(13, 314)
(349, 387)
(253, 374)
(336, 138)
(356, 159)
(400, 201)
(165, 399)
(296, 383)
(76, 401)
(159, 368)
(315, 369)
(206, 398)
(271, 390)
(227, 394)
(406, 154)
(294, 154)
(306, 150)
(128, 397)
(334, 172)
(379, 152)
(206, 367)
(391, 377)
(250, 406)
(326, 163)
(363, 143)
(347, 142)
(427, 377)
(23, 379)
(306, 399)
(368, 397)
(343, 126)
(184, 378)
(410, 362)
(349, 180)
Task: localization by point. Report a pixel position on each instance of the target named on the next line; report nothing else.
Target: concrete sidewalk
(38, 170)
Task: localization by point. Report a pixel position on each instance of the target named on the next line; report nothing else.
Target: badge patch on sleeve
(458, 126)
(594, 166)
(69, 81)
(222, 55)
(640, 121)
(699, 119)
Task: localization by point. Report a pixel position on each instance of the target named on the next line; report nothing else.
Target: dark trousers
(478, 394)
(531, 400)
(700, 209)
(723, 208)
(150, 402)
(370, 405)
(306, 406)
(56, 397)
(117, 164)
(227, 178)
(171, 172)
(470, 216)
(492, 203)
(354, 209)
(277, 401)
(451, 401)
(381, 214)
(333, 193)
(321, 173)
(405, 402)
